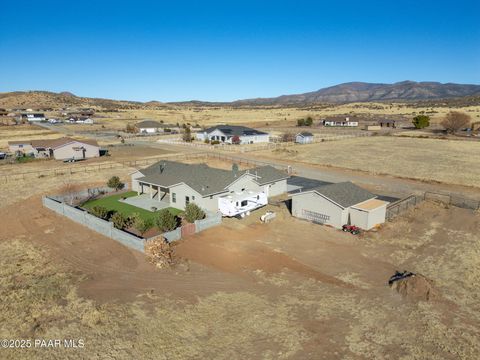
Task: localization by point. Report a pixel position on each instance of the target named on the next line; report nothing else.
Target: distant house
(304, 137)
(232, 192)
(149, 127)
(59, 149)
(32, 117)
(387, 123)
(340, 122)
(227, 134)
(340, 204)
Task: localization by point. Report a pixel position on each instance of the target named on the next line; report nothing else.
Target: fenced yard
(411, 201)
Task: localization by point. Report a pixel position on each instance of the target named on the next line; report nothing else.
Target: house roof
(305, 134)
(52, 143)
(202, 178)
(345, 194)
(149, 124)
(235, 130)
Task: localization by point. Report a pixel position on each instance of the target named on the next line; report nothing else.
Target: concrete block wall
(208, 222)
(103, 227)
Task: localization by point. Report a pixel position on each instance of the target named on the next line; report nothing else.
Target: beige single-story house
(60, 149)
(340, 204)
(232, 192)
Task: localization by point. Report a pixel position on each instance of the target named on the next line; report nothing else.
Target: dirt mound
(415, 287)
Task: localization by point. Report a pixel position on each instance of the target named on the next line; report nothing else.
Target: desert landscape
(185, 180)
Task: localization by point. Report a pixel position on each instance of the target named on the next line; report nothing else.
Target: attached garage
(339, 204)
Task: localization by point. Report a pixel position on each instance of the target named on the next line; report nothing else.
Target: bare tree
(455, 120)
(288, 137)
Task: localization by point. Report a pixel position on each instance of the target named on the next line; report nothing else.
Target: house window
(211, 197)
(187, 200)
(174, 197)
(244, 203)
(258, 197)
(193, 197)
(243, 189)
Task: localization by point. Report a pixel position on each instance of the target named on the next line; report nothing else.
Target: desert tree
(455, 120)
(115, 183)
(421, 121)
(288, 137)
(187, 134)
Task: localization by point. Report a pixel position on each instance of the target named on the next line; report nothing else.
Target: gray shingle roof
(345, 194)
(149, 124)
(235, 130)
(202, 178)
(305, 134)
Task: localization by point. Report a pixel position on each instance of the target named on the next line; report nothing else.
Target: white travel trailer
(241, 203)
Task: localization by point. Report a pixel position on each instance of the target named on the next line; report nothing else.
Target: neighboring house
(225, 134)
(231, 192)
(304, 138)
(340, 204)
(342, 122)
(32, 117)
(149, 127)
(60, 149)
(80, 120)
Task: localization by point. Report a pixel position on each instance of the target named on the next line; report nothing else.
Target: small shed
(340, 204)
(304, 138)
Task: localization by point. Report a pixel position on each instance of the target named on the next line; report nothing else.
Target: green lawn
(112, 203)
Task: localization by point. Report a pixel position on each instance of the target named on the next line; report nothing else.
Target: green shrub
(193, 212)
(140, 224)
(119, 220)
(166, 221)
(100, 212)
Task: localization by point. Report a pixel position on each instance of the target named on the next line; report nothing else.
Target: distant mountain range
(344, 93)
(364, 92)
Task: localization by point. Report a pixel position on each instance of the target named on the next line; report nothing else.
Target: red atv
(355, 230)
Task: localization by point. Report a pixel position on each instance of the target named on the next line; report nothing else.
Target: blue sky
(227, 50)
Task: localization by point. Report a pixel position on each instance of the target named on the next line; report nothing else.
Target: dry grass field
(448, 161)
(261, 116)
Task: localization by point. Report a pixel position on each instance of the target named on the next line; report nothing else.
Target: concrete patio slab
(144, 202)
